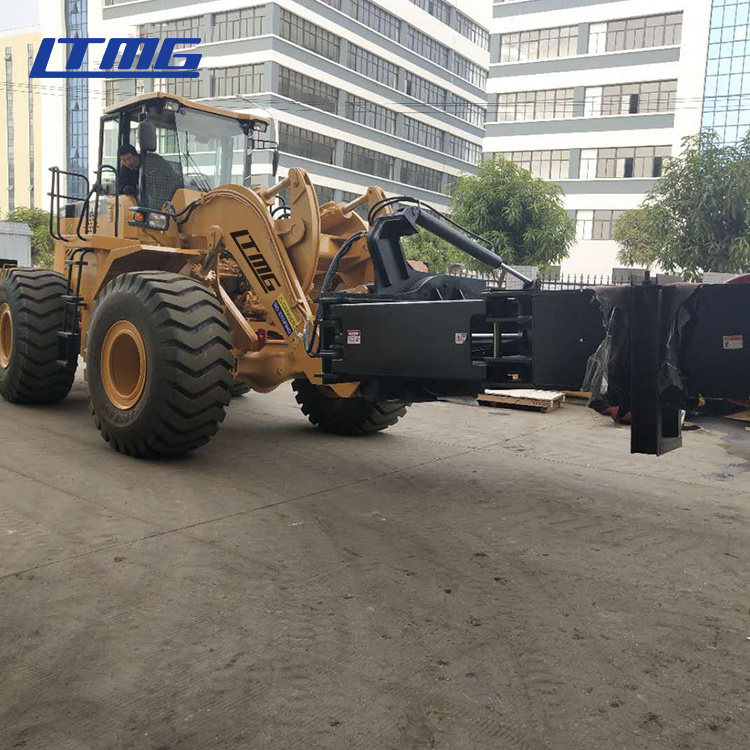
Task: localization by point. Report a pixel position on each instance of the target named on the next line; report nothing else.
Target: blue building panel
(726, 106)
(77, 90)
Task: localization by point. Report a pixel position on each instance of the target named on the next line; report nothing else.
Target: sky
(18, 14)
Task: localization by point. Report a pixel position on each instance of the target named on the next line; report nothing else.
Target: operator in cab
(161, 177)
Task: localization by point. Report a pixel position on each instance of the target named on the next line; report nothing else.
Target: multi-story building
(44, 122)
(21, 171)
(359, 92)
(595, 95)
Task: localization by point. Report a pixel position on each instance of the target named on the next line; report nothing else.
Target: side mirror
(275, 162)
(147, 137)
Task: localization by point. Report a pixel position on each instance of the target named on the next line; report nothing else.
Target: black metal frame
(656, 424)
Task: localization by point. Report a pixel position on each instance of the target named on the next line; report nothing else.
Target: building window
(555, 104)
(426, 46)
(307, 90)
(347, 197)
(373, 66)
(548, 165)
(469, 71)
(190, 88)
(425, 91)
(438, 97)
(376, 18)
(182, 28)
(463, 149)
(416, 175)
(370, 114)
(631, 98)
(436, 8)
(305, 143)
(237, 80)
(639, 33)
(9, 129)
(596, 225)
(367, 161)
(30, 95)
(540, 44)
(111, 93)
(438, 140)
(426, 135)
(472, 31)
(238, 24)
(639, 161)
(726, 106)
(325, 194)
(465, 110)
(309, 36)
(604, 224)
(77, 102)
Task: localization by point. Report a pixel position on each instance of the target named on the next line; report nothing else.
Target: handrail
(115, 172)
(55, 196)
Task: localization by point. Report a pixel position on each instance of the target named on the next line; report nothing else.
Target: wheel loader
(179, 283)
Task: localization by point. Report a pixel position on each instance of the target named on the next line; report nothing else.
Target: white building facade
(595, 95)
(390, 93)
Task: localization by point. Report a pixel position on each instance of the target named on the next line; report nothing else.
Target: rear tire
(158, 363)
(31, 314)
(346, 416)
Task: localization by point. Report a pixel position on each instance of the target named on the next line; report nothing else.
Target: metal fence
(578, 281)
(555, 282)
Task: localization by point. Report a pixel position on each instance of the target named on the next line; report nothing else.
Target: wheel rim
(124, 365)
(6, 335)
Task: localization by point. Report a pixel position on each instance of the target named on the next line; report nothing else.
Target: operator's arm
(128, 181)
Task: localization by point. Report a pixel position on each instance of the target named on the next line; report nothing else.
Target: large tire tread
(34, 375)
(346, 416)
(194, 362)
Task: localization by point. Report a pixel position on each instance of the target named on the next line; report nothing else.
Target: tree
(42, 245)
(697, 216)
(522, 218)
(634, 233)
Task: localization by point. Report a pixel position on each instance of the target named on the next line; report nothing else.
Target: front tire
(31, 314)
(158, 364)
(239, 388)
(346, 416)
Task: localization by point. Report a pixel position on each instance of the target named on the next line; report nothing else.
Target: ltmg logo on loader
(151, 64)
(263, 272)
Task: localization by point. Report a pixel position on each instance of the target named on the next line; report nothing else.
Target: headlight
(145, 217)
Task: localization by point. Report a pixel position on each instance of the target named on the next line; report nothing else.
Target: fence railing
(550, 282)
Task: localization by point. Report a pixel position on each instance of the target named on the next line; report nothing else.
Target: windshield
(205, 150)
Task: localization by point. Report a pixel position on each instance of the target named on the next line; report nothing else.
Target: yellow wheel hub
(6, 335)
(124, 365)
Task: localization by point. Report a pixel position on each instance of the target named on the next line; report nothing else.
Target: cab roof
(188, 103)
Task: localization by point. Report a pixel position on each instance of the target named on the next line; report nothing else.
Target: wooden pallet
(577, 395)
(740, 416)
(543, 401)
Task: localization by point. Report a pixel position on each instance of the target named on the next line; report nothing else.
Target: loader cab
(171, 143)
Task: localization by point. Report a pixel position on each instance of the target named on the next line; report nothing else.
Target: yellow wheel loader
(180, 283)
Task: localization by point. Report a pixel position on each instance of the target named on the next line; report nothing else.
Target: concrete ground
(475, 579)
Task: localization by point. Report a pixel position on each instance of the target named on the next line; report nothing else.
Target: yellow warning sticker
(288, 319)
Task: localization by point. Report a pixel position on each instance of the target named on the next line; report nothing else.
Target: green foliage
(697, 216)
(42, 244)
(436, 253)
(521, 216)
(634, 232)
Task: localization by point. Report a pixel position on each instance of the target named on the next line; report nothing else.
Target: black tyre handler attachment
(646, 350)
